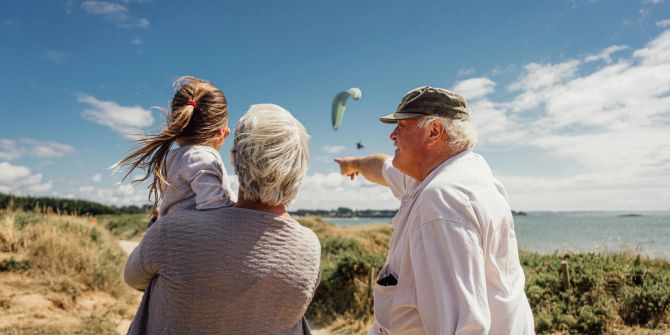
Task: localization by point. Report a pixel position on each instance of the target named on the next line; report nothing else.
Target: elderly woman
(246, 269)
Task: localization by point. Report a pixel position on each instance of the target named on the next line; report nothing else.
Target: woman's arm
(143, 263)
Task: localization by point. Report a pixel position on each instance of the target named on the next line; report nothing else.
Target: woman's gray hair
(270, 154)
(462, 133)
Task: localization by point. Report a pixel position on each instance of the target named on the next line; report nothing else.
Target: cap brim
(395, 117)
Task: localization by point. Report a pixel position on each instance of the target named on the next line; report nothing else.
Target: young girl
(191, 175)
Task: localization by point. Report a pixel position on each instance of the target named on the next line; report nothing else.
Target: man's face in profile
(410, 142)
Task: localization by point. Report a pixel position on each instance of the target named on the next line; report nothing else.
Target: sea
(644, 233)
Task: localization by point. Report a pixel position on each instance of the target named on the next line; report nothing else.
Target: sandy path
(128, 246)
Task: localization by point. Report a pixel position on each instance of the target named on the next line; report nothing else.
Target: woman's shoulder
(284, 226)
(305, 234)
(304, 242)
(308, 235)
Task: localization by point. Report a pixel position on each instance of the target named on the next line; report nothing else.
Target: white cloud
(537, 82)
(128, 121)
(609, 126)
(653, 1)
(115, 13)
(538, 76)
(579, 193)
(657, 51)
(119, 195)
(474, 88)
(332, 190)
(605, 54)
(494, 125)
(465, 72)
(234, 184)
(139, 23)
(663, 23)
(333, 149)
(104, 8)
(56, 56)
(19, 179)
(500, 70)
(10, 150)
(97, 178)
(136, 41)
(47, 148)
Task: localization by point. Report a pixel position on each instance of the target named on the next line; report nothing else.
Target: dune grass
(350, 260)
(604, 292)
(60, 264)
(124, 226)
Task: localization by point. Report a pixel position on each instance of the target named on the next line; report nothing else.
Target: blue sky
(571, 98)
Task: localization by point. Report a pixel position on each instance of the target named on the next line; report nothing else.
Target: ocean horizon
(641, 232)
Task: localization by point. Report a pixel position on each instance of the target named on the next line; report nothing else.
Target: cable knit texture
(224, 271)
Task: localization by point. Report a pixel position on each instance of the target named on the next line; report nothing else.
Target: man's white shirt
(454, 254)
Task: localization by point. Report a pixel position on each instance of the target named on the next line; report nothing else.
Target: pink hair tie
(192, 103)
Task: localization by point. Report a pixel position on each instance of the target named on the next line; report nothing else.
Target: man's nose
(393, 134)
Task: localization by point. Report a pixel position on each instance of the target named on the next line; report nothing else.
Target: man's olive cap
(426, 100)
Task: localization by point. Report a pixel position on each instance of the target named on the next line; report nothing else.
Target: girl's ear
(225, 132)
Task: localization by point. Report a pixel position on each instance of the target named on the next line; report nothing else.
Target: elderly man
(453, 265)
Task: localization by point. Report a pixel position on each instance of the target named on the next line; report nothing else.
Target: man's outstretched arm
(369, 166)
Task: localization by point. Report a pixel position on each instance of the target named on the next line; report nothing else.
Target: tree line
(65, 206)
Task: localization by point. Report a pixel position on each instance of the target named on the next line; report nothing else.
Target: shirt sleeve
(448, 266)
(144, 261)
(375, 329)
(399, 182)
(209, 183)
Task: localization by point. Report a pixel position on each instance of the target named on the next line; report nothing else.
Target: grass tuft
(48, 263)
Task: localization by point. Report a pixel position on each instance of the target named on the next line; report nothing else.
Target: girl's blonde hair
(198, 111)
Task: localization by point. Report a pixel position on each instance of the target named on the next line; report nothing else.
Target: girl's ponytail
(197, 111)
(179, 119)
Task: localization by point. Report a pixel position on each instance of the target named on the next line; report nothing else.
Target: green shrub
(347, 280)
(590, 320)
(124, 226)
(646, 305)
(605, 289)
(11, 264)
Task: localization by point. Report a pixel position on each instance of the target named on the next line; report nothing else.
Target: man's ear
(437, 133)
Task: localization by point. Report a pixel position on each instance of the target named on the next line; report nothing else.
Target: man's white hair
(270, 154)
(462, 133)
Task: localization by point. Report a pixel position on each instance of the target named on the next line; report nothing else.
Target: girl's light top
(197, 179)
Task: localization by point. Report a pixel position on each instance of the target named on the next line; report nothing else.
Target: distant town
(344, 212)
